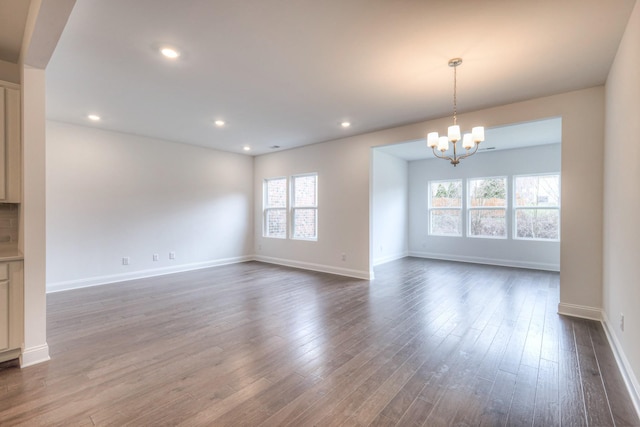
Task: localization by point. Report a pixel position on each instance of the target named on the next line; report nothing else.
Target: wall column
(34, 217)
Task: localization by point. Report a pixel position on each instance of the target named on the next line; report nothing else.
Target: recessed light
(345, 124)
(169, 52)
(219, 123)
(93, 117)
(246, 148)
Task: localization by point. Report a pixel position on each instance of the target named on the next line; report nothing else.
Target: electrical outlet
(125, 260)
(344, 257)
(622, 322)
(156, 257)
(172, 255)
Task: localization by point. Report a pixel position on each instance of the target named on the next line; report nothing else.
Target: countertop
(11, 254)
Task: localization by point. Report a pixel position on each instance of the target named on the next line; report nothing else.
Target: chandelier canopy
(469, 140)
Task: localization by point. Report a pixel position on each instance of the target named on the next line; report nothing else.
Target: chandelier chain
(455, 96)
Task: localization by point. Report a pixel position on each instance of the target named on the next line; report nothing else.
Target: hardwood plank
(521, 410)
(533, 343)
(496, 412)
(547, 407)
(516, 347)
(474, 405)
(439, 353)
(377, 361)
(208, 415)
(451, 398)
(416, 413)
(385, 392)
(550, 343)
(488, 368)
(624, 413)
(426, 343)
(572, 404)
(406, 396)
(595, 396)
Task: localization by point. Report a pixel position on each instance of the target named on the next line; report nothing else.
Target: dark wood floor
(426, 343)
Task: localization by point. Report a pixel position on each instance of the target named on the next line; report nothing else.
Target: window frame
(431, 208)
(266, 208)
(504, 208)
(294, 207)
(516, 208)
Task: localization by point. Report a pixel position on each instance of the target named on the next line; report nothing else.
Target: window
(275, 208)
(304, 207)
(445, 208)
(537, 207)
(487, 207)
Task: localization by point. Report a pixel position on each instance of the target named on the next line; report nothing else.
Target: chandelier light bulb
(443, 143)
(454, 133)
(478, 133)
(432, 139)
(467, 141)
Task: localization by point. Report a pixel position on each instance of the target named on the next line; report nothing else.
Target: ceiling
(287, 73)
(13, 18)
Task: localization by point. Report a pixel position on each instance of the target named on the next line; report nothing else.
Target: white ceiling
(287, 73)
(13, 17)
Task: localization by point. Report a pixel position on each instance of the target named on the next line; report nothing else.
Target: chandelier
(469, 140)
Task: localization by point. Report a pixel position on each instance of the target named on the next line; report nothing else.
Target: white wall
(509, 252)
(344, 166)
(113, 195)
(390, 204)
(621, 278)
(343, 208)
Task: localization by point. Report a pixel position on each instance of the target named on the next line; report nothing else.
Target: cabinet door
(16, 304)
(13, 146)
(3, 142)
(4, 315)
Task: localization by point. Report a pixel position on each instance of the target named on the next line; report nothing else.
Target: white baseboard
(489, 261)
(389, 258)
(581, 311)
(34, 355)
(626, 370)
(358, 274)
(141, 274)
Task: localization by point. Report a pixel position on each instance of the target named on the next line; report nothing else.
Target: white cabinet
(11, 309)
(10, 143)
(11, 267)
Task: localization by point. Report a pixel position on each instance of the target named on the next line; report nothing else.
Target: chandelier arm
(464, 156)
(435, 153)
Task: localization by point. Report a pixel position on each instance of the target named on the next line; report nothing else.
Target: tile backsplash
(9, 216)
